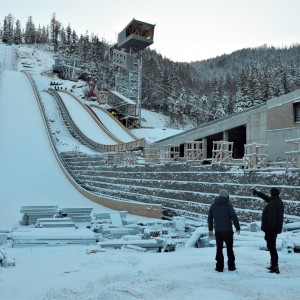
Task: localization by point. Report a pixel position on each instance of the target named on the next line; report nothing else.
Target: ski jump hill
(31, 172)
(99, 128)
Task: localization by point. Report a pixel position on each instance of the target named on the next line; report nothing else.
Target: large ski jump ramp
(29, 172)
(97, 125)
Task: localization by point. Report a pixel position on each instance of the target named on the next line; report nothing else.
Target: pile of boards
(51, 236)
(31, 214)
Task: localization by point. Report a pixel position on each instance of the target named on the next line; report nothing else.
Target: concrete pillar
(225, 136)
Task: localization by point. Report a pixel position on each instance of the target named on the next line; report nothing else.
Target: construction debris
(32, 213)
(6, 261)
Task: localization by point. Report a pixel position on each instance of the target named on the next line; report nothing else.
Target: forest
(190, 93)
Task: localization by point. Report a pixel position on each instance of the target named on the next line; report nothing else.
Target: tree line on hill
(190, 93)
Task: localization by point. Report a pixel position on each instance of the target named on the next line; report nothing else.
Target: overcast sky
(186, 30)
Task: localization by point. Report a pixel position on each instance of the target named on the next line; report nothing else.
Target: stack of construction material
(151, 244)
(32, 213)
(77, 214)
(51, 236)
(5, 260)
(107, 216)
(117, 232)
(54, 222)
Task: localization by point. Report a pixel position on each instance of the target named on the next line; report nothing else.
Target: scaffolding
(293, 154)
(222, 152)
(152, 155)
(193, 151)
(172, 153)
(255, 157)
(127, 82)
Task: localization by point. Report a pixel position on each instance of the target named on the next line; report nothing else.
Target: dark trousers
(271, 245)
(227, 237)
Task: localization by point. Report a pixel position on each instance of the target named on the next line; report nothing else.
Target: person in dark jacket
(271, 223)
(221, 215)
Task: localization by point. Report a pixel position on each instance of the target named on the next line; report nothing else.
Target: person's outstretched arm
(260, 195)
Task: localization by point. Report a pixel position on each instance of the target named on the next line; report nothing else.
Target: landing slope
(29, 173)
(85, 122)
(113, 125)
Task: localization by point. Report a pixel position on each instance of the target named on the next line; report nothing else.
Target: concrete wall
(277, 142)
(269, 123)
(281, 125)
(256, 128)
(254, 119)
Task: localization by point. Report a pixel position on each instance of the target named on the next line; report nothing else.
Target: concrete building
(272, 123)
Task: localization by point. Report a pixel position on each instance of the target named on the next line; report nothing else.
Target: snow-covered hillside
(29, 175)
(38, 60)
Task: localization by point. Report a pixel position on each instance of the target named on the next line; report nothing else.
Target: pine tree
(74, 42)
(8, 28)
(54, 32)
(30, 32)
(18, 33)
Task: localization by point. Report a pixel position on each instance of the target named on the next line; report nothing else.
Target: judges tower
(126, 54)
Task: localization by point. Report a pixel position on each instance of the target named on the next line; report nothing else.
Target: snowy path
(29, 173)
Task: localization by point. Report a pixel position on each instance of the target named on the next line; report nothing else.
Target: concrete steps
(187, 189)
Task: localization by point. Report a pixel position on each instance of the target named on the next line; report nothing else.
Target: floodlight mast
(136, 36)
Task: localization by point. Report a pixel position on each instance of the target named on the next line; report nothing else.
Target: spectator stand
(152, 156)
(123, 158)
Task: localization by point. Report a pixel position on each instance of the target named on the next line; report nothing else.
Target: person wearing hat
(271, 223)
(221, 215)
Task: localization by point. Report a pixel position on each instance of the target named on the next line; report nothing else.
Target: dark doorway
(181, 150)
(210, 140)
(237, 135)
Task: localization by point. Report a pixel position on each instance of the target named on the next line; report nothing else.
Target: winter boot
(219, 269)
(274, 269)
(269, 267)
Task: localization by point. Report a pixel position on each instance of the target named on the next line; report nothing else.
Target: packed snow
(30, 175)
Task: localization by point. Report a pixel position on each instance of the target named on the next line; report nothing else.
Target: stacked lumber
(54, 222)
(79, 214)
(107, 216)
(151, 244)
(32, 213)
(52, 236)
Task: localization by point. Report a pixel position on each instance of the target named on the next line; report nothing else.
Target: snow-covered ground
(29, 175)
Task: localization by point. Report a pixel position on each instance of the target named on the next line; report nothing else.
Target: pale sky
(186, 30)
